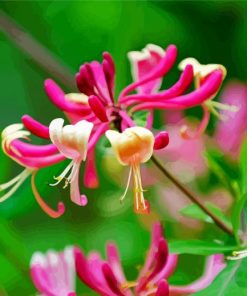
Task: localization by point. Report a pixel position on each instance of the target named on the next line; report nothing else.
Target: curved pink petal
(35, 127)
(91, 273)
(157, 233)
(26, 149)
(177, 89)
(160, 70)
(159, 262)
(57, 96)
(208, 89)
(111, 280)
(115, 263)
(163, 289)
(143, 63)
(96, 79)
(98, 108)
(215, 264)
(35, 162)
(75, 195)
(90, 172)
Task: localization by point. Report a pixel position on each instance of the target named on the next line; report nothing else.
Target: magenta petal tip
(83, 200)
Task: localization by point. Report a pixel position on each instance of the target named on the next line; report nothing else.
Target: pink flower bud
(98, 108)
(161, 140)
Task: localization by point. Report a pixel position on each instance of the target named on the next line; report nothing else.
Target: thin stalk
(192, 197)
(40, 54)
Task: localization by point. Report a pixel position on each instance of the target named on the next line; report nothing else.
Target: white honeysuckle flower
(72, 142)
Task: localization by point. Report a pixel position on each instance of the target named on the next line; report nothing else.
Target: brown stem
(192, 197)
(40, 54)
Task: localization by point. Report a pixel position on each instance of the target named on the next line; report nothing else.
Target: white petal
(39, 259)
(83, 132)
(12, 129)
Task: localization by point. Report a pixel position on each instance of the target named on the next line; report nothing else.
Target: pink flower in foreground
(53, 274)
(106, 277)
(96, 104)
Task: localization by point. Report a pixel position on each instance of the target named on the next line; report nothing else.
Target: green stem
(192, 197)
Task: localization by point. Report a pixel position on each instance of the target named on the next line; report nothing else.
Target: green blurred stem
(39, 53)
(192, 197)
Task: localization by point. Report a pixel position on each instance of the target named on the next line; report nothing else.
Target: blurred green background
(76, 32)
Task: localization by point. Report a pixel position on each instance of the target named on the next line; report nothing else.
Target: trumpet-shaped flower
(107, 277)
(132, 147)
(71, 141)
(53, 273)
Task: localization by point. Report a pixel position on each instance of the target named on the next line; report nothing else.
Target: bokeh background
(76, 32)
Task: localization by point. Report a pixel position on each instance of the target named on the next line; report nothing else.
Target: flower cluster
(54, 273)
(95, 111)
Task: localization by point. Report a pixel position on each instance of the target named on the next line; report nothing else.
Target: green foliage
(199, 247)
(193, 211)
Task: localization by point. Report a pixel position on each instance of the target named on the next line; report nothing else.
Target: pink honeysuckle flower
(53, 273)
(231, 131)
(201, 73)
(107, 278)
(69, 142)
(97, 104)
(33, 158)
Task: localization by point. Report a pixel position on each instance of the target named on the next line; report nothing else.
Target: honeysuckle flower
(132, 147)
(201, 74)
(71, 141)
(53, 273)
(96, 103)
(106, 277)
(32, 158)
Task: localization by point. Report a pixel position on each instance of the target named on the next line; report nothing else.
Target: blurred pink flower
(53, 274)
(231, 131)
(107, 277)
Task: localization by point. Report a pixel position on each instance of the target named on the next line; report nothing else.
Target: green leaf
(198, 247)
(243, 167)
(236, 215)
(215, 164)
(231, 281)
(193, 211)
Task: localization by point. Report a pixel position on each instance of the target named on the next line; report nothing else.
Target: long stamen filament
(139, 201)
(63, 174)
(127, 187)
(17, 181)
